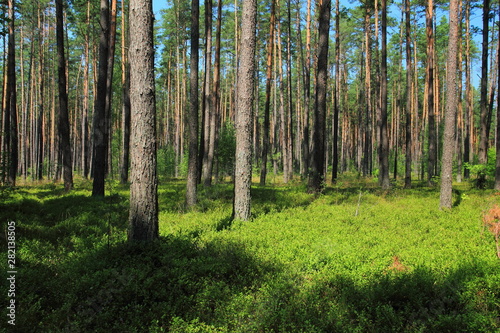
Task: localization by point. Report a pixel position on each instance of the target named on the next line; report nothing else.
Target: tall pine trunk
(192, 176)
(63, 123)
(483, 122)
(143, 216)
(384, 136)
(451, 110)
(245, 102)
(100, 138)
(317, 171)
(267, 104)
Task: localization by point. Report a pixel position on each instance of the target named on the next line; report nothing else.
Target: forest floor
(353, 259)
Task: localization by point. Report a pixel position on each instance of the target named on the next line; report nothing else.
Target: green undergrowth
(353, 259)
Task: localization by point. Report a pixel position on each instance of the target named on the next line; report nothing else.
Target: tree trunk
(450, 115)
(143, 216)
(408, 145)
(100, 138)
(384, 138)
(468, 93)
(192, 177)
(336, 95)
(483, 122)
(497, 144)
(317, 172)
(267, 105)
(10, 104)
(63, 124)
(432, 143)
(109, 86)
(245, 100)
(207, 100)
(125, 160)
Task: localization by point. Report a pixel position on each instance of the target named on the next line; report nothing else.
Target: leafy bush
(483, 173)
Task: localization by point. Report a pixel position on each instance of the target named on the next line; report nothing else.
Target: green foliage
(484, 174)
(306, 263)
(226, 149)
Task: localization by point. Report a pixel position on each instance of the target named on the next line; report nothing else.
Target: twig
(359, 202)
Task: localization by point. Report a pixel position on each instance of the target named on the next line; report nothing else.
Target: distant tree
(143, 216)
(63, 124)
(245, 102)
(451, 110)
(317, 171)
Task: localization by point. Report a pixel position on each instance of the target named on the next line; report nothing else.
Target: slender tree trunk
(483, 122)
(497, 144)
(10, 104)
(245, 100)
(408, 145)
(450, 115)
(143, 216)
(267, 105)
(432, 143)
(317, 172)
(468, 92)
(207, 100)
(63, 124)
(336, 95)
(384, 136)
(86, 97)
(100, 139)
(125, 160)
(109, 86)
(192, 177)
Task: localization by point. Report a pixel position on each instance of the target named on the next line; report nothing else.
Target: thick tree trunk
(63, 123)
(207, 100)
(450, 115)
(245, 100)
(317, 171)
(143, 216)
(192, 177)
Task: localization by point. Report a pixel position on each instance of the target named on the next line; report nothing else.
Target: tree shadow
(125, 288)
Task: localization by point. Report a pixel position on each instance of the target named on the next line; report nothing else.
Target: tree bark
(450, 115)
(317, 172)
(192, 177)
(63, 124)
(125, 160)
(143, 216)
(336, 95)
(245, 100)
